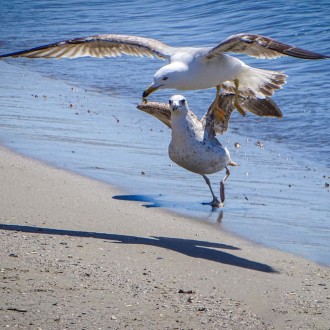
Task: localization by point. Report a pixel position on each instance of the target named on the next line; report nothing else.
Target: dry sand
(73, 257)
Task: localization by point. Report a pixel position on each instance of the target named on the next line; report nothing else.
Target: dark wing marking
(261, 47)
(218, 124)
(260, 107)
(105, 45)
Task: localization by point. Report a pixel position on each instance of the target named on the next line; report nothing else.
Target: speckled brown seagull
(189, 68)
(194, 145)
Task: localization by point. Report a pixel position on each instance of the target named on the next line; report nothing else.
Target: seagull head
(178, 103)
(168, 76)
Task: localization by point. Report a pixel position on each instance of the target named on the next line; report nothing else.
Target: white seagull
(189, 68)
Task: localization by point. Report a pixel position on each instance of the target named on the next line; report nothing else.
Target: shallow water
(276, 196)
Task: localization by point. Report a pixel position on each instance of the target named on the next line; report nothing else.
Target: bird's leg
(218, 112)
(222, 185)
(236, 101)
(215, 202)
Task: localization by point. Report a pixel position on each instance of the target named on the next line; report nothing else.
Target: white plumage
(189, 68)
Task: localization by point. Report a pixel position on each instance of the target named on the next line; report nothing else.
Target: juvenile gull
(193, 140)
(189, 68)
(194, 145)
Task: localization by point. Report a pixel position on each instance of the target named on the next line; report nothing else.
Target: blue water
(276, 197)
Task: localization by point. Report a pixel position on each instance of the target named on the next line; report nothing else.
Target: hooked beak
(152, 88)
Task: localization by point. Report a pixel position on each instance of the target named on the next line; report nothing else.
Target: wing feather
(106, 45)
(261, 47)
(260, 107)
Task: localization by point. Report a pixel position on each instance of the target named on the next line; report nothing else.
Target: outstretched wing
(105, 45)
(260, 107)
(159, 110)
(217, 124)
(261, 47)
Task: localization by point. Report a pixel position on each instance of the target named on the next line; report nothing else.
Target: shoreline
(94, 134)
(76, 257)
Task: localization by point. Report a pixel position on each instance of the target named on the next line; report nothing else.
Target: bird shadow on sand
(192, 248)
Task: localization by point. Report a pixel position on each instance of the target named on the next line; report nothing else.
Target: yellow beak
(152, 88)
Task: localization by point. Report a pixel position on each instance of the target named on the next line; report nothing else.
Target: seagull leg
(219, 113)
(215, 202)
(222, 185)
(236, 102)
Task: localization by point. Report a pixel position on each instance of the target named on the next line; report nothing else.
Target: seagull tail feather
(259, 83)
(232, 163)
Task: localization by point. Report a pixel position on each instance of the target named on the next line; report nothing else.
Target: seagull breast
(189, 150)
(203, 73)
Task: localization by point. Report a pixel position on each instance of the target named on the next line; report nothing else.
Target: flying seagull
(189, 68)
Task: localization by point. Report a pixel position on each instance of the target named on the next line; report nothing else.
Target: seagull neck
(183, 127)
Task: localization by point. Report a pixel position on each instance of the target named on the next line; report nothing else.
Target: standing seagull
(195, 147)
(189, 68)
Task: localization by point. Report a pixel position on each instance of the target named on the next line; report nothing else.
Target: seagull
(194, 145)
(194, 137)
(189, 68)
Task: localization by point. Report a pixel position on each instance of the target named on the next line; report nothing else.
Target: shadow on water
(209, 212)
(151, 201)
(192, 248)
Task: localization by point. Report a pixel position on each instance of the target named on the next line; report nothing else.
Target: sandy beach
(75, 257)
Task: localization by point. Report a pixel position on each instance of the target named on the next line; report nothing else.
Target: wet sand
(74, 257)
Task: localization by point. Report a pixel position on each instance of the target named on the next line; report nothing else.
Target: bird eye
(170, 102)
(165, 78)
(183, 102)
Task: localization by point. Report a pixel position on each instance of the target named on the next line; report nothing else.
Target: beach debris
(259, 144)
(14, 309)
(186, 291)
(201, 309)
(116, 118)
